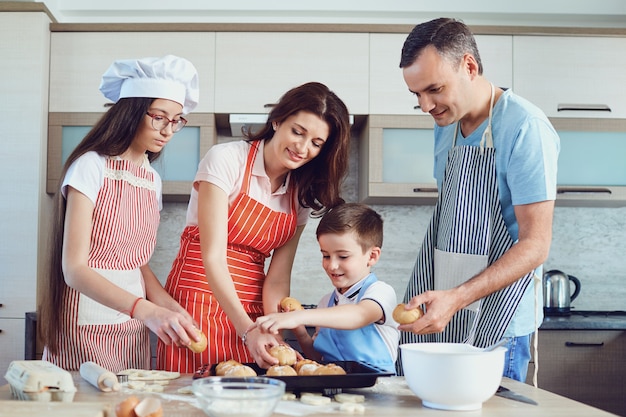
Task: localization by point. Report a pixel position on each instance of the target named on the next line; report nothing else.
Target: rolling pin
(99, 377)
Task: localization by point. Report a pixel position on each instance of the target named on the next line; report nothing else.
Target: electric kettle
(557, 295)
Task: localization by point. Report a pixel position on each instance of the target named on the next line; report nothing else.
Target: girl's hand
(170, 326)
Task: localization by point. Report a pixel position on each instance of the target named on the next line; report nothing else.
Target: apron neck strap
(487, 136)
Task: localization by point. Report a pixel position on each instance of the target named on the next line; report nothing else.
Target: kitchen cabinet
(253, 70)
(585, 365)
(78, 60)
(396, 160)
(567, 76)
(177, 164)
(591, 169)
(388, 91)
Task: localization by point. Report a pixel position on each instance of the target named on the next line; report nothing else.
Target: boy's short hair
(354, 217)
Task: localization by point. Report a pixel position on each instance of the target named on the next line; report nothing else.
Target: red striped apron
(254, 230)
(125, 222)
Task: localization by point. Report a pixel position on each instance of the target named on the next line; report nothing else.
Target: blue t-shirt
(527, 148)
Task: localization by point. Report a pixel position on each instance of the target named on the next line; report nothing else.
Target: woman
(251, 198)
(102, 296)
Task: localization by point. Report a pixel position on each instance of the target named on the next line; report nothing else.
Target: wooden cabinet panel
(388, 91)
(177, 164)
(78, 60)
(591, 170)
(400, 176)
(255, 69)
(586, 365)
(561, 72)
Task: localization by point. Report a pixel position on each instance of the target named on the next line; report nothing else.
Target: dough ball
(222, 367)
(330, 369)
(281, 370)
(308, 369)
(303, 362)
(403, 316)
(285, 354)
(290, 304)
(240, 370)
(200, 346)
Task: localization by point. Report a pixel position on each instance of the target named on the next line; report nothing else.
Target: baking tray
(358, 375)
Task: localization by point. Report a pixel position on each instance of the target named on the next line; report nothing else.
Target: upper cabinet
(78, 60)
(253, 70)
(572, 77)
(388, 91)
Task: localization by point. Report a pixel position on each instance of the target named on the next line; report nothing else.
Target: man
(495, 165)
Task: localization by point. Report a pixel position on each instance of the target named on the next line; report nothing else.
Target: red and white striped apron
(254, 230)
(125, 222)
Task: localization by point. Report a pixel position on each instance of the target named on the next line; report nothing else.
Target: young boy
(354, 322)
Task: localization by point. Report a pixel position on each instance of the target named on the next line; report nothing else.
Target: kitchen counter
(390, 396)
(586, 320)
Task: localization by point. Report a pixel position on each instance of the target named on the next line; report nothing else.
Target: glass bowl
(240, 397)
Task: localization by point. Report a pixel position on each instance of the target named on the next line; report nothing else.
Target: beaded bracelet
(132, 310)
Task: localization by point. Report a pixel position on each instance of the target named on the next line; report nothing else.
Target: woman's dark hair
(451, 37)
(112, 135)
(318, 182)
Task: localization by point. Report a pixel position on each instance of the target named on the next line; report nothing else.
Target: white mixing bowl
(452, 376)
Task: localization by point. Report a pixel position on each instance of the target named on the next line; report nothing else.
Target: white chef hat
(168, 77)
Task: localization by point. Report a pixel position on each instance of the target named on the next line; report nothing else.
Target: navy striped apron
(466, 234)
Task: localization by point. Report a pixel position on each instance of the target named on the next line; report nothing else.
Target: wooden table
(389, 397)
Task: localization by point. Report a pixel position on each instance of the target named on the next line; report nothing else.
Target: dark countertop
(586, 320)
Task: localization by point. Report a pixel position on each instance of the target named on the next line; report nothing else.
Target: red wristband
(132, 310)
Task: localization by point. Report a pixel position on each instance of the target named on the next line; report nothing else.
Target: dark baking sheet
(358, 375)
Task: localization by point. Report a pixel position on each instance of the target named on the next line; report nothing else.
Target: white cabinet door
(388, 91)
(572, 73)
(78, 60)
(256, 69)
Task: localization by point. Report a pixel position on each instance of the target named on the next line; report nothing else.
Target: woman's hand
(258, 345)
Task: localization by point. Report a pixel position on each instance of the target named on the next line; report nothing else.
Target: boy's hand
(273, 323)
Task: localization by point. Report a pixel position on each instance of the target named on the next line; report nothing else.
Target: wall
(588, 243)
(24, 52)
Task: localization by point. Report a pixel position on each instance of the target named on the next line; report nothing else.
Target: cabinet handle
(268, 105)
(583, 107)
(425, 190)
(575, 344)
(583, 190)
(417, 107)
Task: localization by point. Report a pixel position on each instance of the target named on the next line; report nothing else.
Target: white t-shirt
(86, 175)
(381, 293)
(224, 165)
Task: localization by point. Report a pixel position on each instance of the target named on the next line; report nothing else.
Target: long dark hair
(318, 182)
(112, 135)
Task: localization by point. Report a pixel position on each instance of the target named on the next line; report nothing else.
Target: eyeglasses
(160, 122)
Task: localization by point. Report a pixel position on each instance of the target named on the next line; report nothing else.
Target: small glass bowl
(241, 397)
